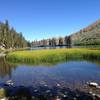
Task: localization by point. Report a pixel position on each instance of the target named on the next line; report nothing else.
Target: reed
(52, 55)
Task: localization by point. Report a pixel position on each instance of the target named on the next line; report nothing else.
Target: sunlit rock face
(89, 35)
(86, 36)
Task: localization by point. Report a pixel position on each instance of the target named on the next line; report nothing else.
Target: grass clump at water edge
(52, 55)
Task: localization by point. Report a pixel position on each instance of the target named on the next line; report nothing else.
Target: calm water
(56, 47)
(73, 74)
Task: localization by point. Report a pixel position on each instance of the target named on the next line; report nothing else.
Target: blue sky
(39, 19)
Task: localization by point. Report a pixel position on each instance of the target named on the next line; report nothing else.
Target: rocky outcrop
(87, 36)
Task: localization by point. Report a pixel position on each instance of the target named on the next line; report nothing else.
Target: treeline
(9, 38)
(86, 36)
(61, 41)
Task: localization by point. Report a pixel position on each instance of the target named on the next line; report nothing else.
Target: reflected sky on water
(70, 74)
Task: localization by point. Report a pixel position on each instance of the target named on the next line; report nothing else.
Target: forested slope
(9, 38)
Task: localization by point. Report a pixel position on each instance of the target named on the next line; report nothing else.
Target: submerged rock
(9, 82)
(93, 84)
(4, 98)
(58, 98)
(58, 85)
(46, 93)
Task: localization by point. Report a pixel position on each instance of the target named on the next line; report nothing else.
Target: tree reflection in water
(5, 68)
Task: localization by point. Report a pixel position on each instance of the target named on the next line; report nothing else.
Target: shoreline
(44, 93)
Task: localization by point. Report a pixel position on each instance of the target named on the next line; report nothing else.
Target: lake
(71, 74)
(55, 47)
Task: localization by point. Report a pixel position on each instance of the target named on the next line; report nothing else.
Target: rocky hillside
(87, 36)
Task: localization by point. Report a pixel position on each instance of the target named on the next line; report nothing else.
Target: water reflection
(5, 68)
(70, 73)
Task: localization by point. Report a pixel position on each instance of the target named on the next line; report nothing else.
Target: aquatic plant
(52, 55)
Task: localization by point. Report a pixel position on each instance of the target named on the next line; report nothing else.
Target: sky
(42, 19)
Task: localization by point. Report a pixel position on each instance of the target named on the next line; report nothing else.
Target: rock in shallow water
(9, 82)
(46, 93)
(94, 84)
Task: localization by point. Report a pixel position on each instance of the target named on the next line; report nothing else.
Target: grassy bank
(52, 55)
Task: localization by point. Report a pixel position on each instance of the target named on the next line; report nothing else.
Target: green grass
(0, 50)
(2, 93)
(52, 55)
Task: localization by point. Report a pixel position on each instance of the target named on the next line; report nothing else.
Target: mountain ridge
(87, 36)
